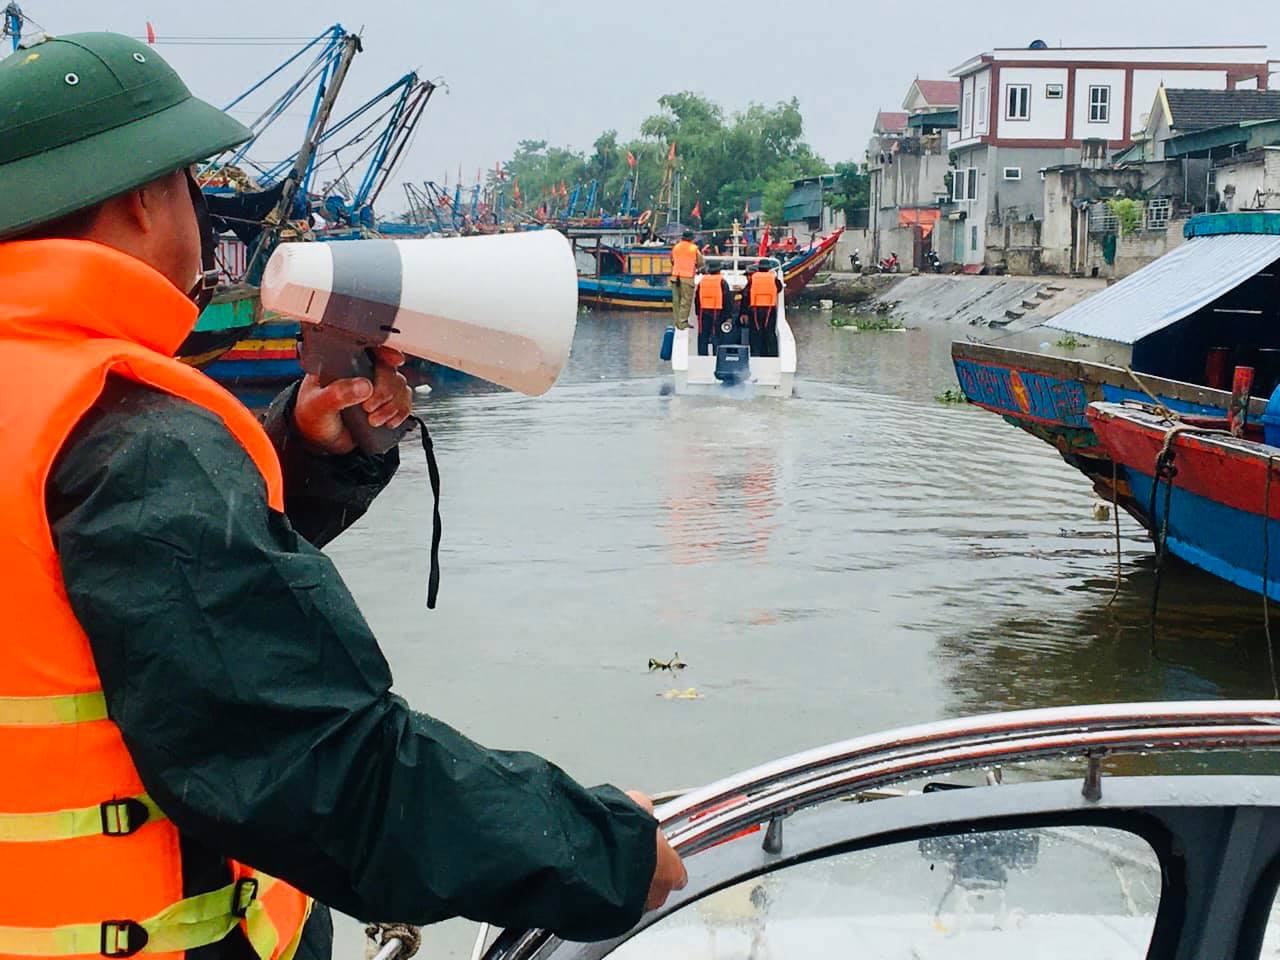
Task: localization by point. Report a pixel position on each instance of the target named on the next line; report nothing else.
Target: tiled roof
(1202, 109)
(887, 122)
(940, 93)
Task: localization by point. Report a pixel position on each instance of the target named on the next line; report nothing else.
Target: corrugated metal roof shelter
(804, 202)
(1172, 288)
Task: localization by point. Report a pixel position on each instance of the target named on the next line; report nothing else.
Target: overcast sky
(548, 69)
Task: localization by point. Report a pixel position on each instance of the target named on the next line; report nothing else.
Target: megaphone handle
(332, 357)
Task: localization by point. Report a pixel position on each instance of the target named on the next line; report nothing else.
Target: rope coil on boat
(384, 941)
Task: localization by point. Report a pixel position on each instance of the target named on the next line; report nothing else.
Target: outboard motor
(733, 363)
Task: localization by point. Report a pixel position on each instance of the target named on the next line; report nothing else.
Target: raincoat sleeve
(258, 707)
(323, 495)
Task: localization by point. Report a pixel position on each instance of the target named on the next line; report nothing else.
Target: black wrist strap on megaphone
(433, 472)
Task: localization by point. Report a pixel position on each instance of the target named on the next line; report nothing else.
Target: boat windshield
(741, 263)
(1003, 893)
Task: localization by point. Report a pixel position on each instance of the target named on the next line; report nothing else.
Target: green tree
(721, 160)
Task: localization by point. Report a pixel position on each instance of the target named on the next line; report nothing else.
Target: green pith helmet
(89, 116)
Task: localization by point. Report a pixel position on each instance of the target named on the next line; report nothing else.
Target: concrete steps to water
(981, 301)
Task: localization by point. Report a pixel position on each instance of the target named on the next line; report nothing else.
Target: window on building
(1099, 104)
(968, 110)
(973, 183)
(973, 238)
(1053, 91)
(958, 183)
(1018, 102)
(1158, 212)
(982, 106)
(1013, 173)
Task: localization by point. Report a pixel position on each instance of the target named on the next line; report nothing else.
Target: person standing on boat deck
(686, 262)
(715, 305)
(760, 309)
(189, 694)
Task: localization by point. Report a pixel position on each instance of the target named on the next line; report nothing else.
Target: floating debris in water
(1101, 511)
(950, 396)
(671, 666)
(690, 694)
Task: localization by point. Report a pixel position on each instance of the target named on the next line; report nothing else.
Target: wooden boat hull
(225, 321)
(1220, 515)
(628, 292)
(269, 355)
(1049, 397)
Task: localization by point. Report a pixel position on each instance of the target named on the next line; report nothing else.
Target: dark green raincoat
(258, 708)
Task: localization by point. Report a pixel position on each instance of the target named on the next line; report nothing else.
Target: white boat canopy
(1177, 285)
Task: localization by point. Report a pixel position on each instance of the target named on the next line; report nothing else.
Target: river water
(855, 558)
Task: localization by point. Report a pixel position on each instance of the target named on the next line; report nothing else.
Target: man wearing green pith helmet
(202, 748)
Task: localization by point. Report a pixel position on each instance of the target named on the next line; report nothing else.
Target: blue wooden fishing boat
(638, 277)
(1172, 331)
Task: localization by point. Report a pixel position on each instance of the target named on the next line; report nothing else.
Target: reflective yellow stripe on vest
(114, 818)
(34, 711)
(195, 922)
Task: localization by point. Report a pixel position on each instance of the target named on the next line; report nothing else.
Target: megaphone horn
(502, 308)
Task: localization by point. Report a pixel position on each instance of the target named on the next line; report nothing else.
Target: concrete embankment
(975, 301)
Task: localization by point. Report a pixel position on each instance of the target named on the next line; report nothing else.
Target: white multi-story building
(1024, 110)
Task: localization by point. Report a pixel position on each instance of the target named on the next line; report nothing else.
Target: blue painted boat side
(246, 371)
(1114, 394)
(1221, 540)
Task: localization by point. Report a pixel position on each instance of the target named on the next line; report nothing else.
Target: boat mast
(302, 163)
(13, 20)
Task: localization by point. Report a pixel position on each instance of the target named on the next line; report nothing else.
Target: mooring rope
(1115, 513)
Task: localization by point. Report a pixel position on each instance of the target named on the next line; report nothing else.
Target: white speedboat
(1054, 834)
(730, 364)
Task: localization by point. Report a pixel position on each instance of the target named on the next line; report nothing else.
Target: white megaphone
(501, 307)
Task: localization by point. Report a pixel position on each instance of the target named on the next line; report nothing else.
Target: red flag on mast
(671, 154)
(516, 191)
(697, 209)
(151, 33)
(631, 159)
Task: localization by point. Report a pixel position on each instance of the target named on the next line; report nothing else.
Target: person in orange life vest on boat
(715, 312)
(198, 726)
(686, 262)
(759, 310)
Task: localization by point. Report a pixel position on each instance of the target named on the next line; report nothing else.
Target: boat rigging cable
(1166, 470)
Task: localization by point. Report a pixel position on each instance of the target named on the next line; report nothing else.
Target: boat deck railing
(705, 816)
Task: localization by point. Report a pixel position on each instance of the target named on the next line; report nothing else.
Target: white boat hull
(770, 376)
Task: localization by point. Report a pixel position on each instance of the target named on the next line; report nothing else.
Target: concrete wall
(851, 240)
(1046, 119)
(1250, 183)
(1133, 252)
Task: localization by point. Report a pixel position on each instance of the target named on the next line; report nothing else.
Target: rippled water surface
(858, 557)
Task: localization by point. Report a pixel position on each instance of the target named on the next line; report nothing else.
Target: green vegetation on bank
(722, 160)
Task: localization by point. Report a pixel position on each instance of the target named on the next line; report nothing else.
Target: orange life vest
(764, 289)
(91, 865)
(710, 293)
(684, 259)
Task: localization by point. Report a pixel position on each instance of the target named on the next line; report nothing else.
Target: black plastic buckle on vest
(123, 817)
(243, 895)
(122, 938)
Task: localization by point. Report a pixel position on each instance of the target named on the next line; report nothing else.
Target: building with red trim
(1024, 110)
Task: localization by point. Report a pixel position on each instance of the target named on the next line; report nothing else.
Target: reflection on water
(854, 558)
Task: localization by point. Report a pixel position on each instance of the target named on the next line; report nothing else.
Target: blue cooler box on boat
(1271, 420)
(668, 341)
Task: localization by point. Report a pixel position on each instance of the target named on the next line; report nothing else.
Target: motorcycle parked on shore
(933, 261)
(888, 265)
(855, 261)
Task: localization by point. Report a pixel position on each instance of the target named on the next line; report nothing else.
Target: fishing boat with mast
(624, 260)
(377, 132)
